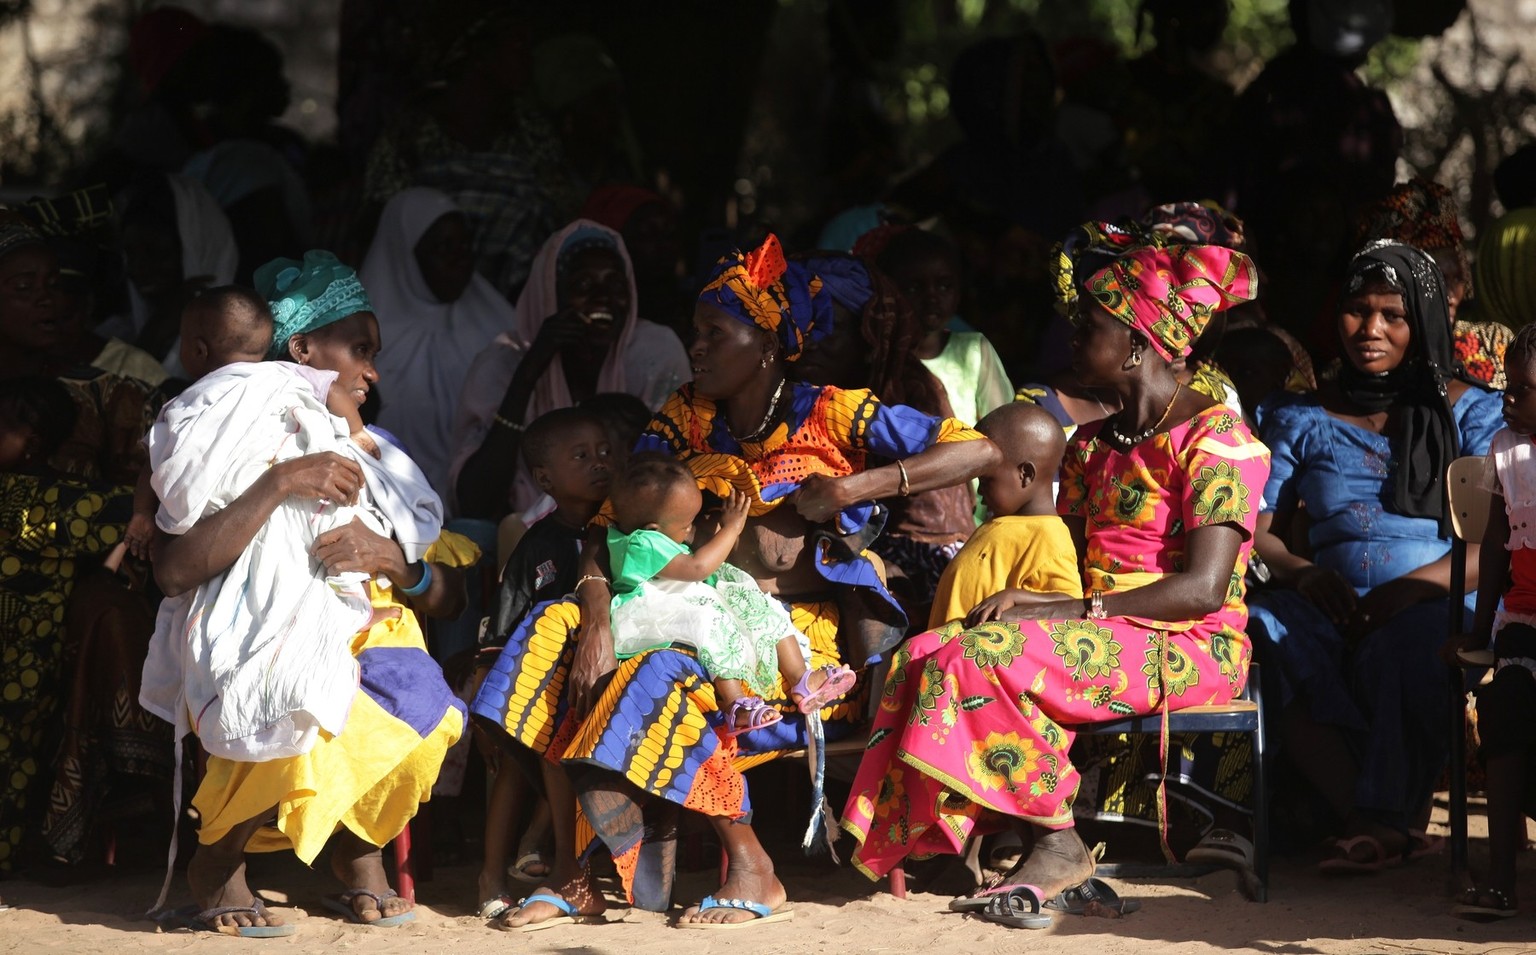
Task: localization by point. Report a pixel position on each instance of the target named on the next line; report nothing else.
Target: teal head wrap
(308, 295)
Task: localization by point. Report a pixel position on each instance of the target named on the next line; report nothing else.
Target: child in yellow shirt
(1023, 545)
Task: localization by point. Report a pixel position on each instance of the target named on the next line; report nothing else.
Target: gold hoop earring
(1135, 358)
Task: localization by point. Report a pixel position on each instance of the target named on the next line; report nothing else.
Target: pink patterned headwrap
(1169, 293)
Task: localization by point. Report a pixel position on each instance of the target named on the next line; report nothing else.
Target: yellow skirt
(371, 778)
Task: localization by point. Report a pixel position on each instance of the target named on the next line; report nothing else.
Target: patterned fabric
(375, 774)
(1086, 250)
(1480, 348)
(46, 526)
(1419, 213)
(1169, 294)
(761, 288)
(828, 431)
(656, 724)
(977, 720)
(726, 618)
(308, 295)
(1196, 223)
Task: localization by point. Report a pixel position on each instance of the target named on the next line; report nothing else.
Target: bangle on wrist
(1095, 604)
(586, 579)
(905, 487)
(420, 587)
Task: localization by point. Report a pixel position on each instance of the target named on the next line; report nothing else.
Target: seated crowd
(336, 529)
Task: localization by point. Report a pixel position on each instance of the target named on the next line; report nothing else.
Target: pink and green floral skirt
(976, 722)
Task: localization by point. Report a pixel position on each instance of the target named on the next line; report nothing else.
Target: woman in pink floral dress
(975, 723)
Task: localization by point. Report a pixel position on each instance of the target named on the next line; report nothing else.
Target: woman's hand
(1381, 603)
(559, 330)
(819, 498)
(1012, 605)
(592, 662)
(326, 476)
(996, 605)
(354, 548)
(1328, 591)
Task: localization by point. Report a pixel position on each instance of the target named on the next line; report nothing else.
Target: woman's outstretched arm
(216, 542)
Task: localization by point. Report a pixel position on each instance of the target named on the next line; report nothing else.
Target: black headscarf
(1424, 441)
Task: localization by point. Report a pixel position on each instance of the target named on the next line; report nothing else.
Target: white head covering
(540, 300)
(428, 344)
(207, 249)
(494, 369)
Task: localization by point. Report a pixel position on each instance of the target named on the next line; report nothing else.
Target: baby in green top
(665, 594)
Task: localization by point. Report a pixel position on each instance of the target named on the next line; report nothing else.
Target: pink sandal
(838, 681)
(759, 715)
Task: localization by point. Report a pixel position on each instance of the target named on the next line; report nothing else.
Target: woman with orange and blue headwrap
(1161, 499)
(650, 724)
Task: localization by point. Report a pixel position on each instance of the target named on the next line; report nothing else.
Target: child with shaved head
(1023, 545)
(219, 327)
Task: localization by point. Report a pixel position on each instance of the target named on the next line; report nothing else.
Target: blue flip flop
(343, 904)
(762, 914)
(206, 921)
(568, 915)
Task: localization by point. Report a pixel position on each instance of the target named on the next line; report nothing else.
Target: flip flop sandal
(1017, 908)
(1345, 863)
(762, 914)
(519, 869)
(492, 909)
(1093, 897)
(568, 915)
(1225, 848)
(759, 715)
(206, 920)
(342, 904)
(982, 899)
(838, 681)
(1472, 905)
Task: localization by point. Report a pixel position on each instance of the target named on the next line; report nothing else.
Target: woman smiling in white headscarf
(436, 313)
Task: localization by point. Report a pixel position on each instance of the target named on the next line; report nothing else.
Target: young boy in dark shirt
(570, 455)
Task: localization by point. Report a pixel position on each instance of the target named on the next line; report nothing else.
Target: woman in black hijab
(1352, 626)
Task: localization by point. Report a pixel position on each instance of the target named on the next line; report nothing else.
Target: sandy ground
(1403, 909)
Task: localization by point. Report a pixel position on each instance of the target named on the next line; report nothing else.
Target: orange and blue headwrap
(764, 289)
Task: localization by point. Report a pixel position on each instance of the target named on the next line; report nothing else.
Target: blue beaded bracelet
(422, 584)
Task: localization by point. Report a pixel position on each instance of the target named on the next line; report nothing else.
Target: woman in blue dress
(1352, 629)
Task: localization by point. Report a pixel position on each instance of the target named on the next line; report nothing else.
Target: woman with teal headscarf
(364, 784)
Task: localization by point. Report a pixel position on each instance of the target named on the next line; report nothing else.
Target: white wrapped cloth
(257, 660)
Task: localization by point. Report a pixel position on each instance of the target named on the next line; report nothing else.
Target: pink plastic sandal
(759, 715)
(838, 681)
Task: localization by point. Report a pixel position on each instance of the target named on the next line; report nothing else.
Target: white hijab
(428, 344)
(207, 249)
